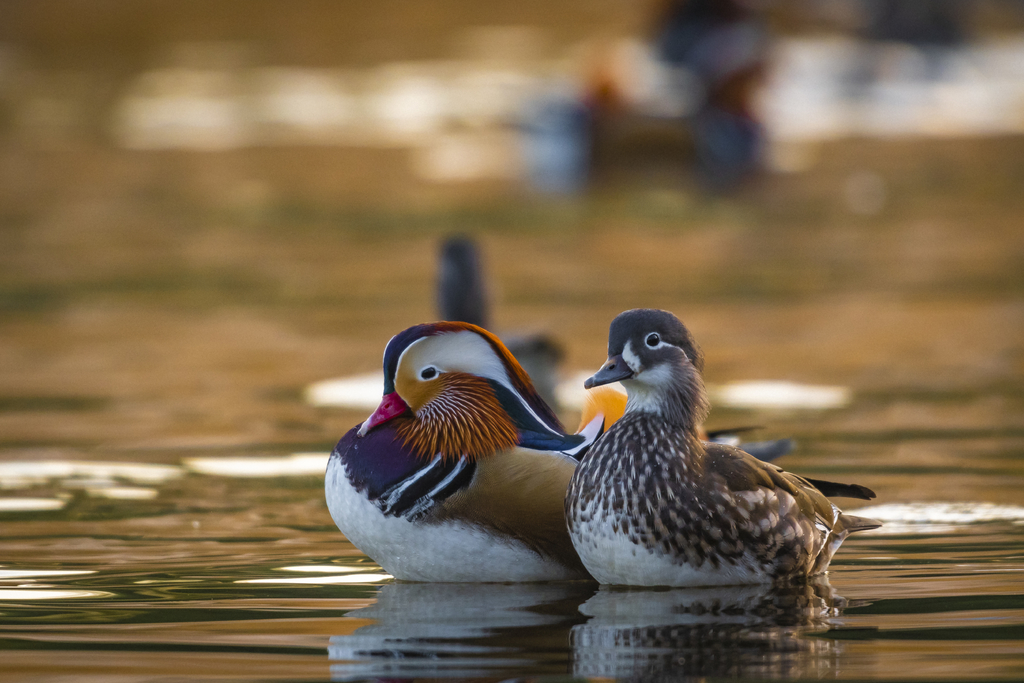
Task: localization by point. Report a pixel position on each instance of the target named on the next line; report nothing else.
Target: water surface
(139, 571)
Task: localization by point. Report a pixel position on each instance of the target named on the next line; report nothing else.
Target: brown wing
(745, 472)
(808, 538)
(783, 516)
(520, 494)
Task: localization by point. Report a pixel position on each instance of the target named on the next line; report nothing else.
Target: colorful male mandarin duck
(460, 473)
(654, 505)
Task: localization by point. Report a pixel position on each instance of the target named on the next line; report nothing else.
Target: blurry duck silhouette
(653, 504)
(724, 46)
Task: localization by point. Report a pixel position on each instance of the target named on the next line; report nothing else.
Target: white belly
(613, 559)
(418, 551)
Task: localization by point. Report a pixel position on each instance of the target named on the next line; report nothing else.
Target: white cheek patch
(632, 360)
(645, 389)
(659, 375)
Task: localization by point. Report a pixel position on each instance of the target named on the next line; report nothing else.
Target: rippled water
(221, 566)
(161, 506)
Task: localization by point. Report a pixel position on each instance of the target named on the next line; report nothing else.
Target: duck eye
(429, 372)
(653, 340)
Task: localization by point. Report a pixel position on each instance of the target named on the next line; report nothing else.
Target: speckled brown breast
(663, 490)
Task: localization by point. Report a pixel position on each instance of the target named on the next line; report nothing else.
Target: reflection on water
(30, 504)
(907, 519)
(34, 573)
(727, 631)
(47, 594)
(442, 631)
(17, 474)
(326, 580)
(452, 630)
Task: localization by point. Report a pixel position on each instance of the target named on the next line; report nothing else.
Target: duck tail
(835, 490)
(844, 526)
(607, 401)
(852, 523)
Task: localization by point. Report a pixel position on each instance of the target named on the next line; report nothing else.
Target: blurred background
(214, 214)
(207, 206)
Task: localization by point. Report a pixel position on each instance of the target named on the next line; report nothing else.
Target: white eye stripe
(463, 351)
(661, 342)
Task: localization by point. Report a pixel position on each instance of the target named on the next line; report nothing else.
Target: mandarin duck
(652, 504)
(460, 473)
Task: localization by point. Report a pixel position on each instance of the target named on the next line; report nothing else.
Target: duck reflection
(495, 630)
(721, 631)
(461, 630)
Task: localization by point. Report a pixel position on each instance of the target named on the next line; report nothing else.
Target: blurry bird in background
(931, 28)
(690, 97)
(924, 23)
(461, 292)
(722, 46)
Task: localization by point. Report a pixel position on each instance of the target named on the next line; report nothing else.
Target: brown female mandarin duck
(652, 504)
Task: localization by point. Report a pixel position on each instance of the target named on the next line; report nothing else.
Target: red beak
(390, 406)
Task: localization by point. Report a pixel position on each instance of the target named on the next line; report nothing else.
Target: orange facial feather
(465, 418)
(606, 401)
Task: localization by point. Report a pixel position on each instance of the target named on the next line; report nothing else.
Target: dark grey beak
(613, 370)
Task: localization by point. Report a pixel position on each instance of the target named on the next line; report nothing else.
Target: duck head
(659, 364)
(453, 389)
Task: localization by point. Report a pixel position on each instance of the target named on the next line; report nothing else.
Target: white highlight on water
(935, 517)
